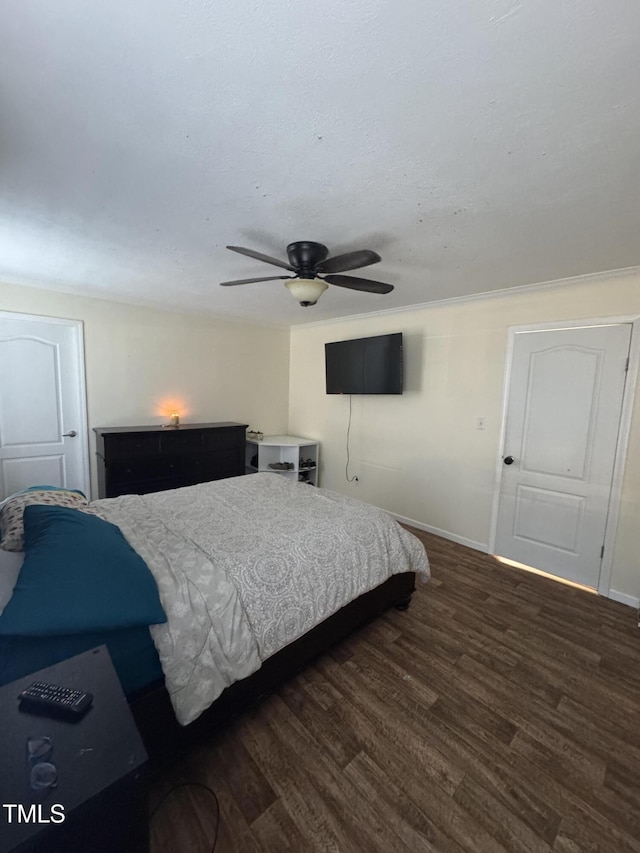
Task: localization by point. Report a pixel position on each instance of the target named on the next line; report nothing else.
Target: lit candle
(174, 418)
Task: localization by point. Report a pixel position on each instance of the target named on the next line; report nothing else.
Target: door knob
(508, 460)
(72, 433)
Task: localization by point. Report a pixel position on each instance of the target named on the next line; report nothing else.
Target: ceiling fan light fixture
(306, 291)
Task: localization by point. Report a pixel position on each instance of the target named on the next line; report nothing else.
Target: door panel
(563, 413)
(26, 471)
(557, 437)
(548, 518)
(29, 392)
(41, 399)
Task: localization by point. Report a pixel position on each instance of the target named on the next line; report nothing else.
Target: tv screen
(365, 365)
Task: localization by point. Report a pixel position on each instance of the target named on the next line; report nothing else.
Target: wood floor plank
(277, 831)
(363, 822)
(535, 718)
(581, 717)
(501, 821)
(318, 688)
(582, 832)
(247, 784)
(452, 646)
(392, 679)
(528, 793)
(381, 718)
(624, 783)
(339, 744)
(541, 741)
(482, 722)
(498, 715)
(616, 667)
(188, 820)
(560, 758)
(414, 763)
(409, 822)
(624, 638)
(584, 778)
(291, 779)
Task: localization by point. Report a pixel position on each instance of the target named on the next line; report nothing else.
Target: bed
(252, 576)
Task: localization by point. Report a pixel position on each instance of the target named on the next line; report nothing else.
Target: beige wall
(420, 455)
(142, 362)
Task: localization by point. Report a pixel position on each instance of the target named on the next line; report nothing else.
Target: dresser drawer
(225, 440)
(214, 465)
(140, 468)
(132, 444)
(175, 441)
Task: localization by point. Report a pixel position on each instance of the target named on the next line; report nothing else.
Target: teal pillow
(53, 489)
(42, 489)
(79, 574)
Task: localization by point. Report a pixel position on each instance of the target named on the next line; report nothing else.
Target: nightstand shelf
(288, 450)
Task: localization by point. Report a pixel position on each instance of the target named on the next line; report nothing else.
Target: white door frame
(83, 426)
(623, 433)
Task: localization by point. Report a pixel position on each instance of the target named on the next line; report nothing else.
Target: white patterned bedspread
(247, 565)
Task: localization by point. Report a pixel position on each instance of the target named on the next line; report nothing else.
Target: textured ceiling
(474, 145)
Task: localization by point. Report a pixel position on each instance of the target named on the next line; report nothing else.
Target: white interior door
(563, 415)
(43, 422)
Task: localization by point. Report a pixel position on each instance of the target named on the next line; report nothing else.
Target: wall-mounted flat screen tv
(365, 365)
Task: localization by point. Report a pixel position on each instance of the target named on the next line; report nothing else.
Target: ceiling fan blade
(258, 256)
(354, 283)
(252, 280)
(349, 261)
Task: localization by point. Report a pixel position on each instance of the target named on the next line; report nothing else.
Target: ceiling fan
(308, 261)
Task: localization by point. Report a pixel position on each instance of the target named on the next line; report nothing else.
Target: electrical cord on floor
(154, 811)
(346, 467)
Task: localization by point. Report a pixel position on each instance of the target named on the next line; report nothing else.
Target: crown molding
(151, 305)
(239, 319)
(587, 278)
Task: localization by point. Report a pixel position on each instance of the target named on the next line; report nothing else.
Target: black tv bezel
(399, 366)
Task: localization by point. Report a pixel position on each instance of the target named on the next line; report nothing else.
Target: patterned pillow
(12, 509)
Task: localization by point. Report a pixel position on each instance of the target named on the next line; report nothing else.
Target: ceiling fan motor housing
(305, 256)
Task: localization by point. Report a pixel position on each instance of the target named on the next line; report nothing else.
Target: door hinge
(626, 367)
(602, 552)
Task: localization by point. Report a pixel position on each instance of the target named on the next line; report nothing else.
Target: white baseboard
(623, 598)
(445, 534)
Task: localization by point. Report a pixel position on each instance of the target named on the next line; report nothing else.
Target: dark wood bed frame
(152, 711)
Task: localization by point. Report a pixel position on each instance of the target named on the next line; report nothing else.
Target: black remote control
(50, 699)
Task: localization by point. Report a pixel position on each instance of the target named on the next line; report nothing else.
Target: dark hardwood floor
(501, 712)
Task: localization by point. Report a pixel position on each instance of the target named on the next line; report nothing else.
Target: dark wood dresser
(142, 459)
